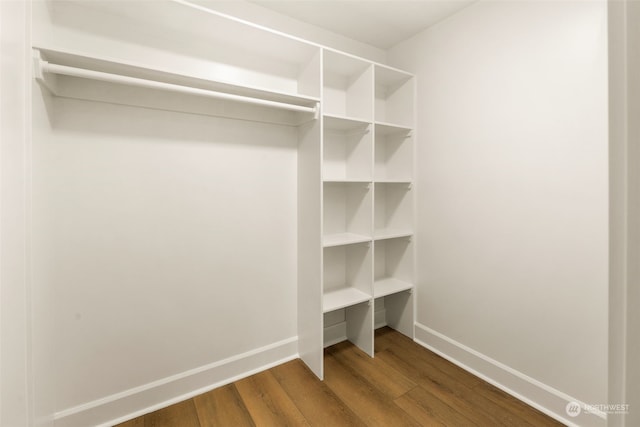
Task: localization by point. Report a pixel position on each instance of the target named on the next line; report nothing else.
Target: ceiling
(380, 23)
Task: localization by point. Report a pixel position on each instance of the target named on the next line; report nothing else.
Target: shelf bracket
(49, 81)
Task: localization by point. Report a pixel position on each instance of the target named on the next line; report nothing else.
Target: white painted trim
(531, 391)
(159, 394)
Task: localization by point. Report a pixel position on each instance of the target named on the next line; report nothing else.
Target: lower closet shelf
(339, 239)
(389, 286)
(341, 298)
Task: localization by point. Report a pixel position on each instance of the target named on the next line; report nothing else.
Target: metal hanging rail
(47, 67)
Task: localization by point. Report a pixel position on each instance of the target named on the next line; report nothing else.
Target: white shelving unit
(367, 168)
(353, 120)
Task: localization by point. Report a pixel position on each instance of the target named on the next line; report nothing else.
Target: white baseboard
(379, 318)
(334, 334)
(159, 394)
(541, 396)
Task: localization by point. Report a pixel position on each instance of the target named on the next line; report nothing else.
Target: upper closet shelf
(75, 75)
(344, 124)
(392, 129)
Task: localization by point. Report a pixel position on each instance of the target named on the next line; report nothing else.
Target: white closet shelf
(407, 181)
(50, 62)
(389, 76)
(343, 297)
(339, 239)
(343, 123)
(383, 128)
(385, 234)
(389, 286)
(348, 180)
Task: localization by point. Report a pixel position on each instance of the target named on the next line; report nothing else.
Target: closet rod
(47, 67)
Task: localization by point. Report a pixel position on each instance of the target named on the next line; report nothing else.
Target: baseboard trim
(535, 393)
(159, 394)
(334, 334)
(337, 333)
(379, 319)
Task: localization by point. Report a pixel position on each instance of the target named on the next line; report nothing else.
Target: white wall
(163, 248)
(513, 195)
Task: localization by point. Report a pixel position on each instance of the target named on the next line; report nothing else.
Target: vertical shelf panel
(310, 333)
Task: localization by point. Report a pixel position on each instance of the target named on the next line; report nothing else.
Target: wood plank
(267, 402)
(136, 422)
(401, 343)
(482, 410)
(429, 410)
(319, 405)
(373, 407)
(432, 379)
(383, 338)
(380, 374)
(515, 406)
(181, 414)
(222, 407)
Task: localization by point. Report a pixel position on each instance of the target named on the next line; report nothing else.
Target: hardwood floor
(404, 385)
